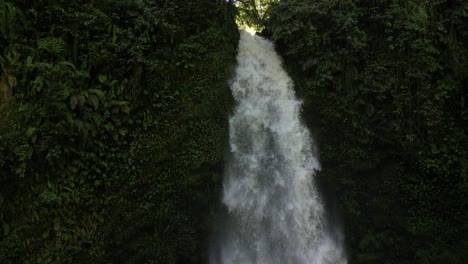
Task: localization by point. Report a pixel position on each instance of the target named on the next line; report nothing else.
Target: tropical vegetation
(114, 124)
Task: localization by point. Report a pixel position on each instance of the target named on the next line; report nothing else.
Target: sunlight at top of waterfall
(248, 29)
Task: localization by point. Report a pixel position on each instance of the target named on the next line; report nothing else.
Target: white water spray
(275, 214)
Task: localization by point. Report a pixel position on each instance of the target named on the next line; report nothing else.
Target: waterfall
(275, 214)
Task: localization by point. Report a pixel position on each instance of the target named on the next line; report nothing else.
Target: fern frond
(54, 46)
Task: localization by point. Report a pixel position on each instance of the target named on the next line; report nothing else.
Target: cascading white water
(275, 214)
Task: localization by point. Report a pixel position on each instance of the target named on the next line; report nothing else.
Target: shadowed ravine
(275, 214)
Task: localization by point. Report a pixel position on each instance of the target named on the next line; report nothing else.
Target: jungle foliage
(113, 123)
(253, 13)
(112, 128)
(385, 87)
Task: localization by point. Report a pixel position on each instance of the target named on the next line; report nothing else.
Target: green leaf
(97, 92)
(64, 93)
(23, 108)
(31, 131)
(94, 101)
(81, 100)
(73, 102)
(69, 64)
(69, 117)
(113, 83)
(12, 81)
(119, 103)
(54, 46)
(79, 125)
(109, 127)
(102, 78)
(29, 61)
(122, 132)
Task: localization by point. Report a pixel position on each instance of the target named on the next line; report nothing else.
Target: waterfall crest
(275, 214)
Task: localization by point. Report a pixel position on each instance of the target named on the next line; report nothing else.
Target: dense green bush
(112, 128)
(385, 88)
